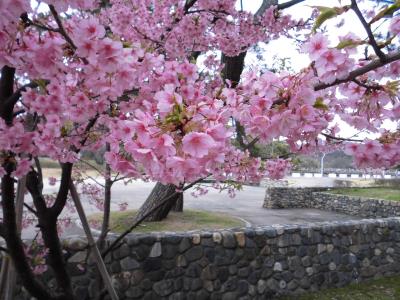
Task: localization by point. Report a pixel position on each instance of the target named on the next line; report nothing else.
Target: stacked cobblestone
(251, 263)
(284, 197)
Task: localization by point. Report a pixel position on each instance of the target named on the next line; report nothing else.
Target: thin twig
(328, 136)
(252, 143)
(92, 166)
(367, 86)
(61, 28)
(367, 28)
(188, 5)
(289, 4)
(95, 180)
(28, 22)
(31, 209)
(39, 172)
(63, 32)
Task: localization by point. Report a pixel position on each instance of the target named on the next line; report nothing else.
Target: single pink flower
(197, 144)
(52, 180)
(317, 45)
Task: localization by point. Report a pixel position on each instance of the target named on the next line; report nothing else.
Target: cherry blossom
(77, 76)
(197, 144)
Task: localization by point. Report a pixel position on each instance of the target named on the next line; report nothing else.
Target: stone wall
(284, 197)
(251, 263)
(356, 206)
(288, 197)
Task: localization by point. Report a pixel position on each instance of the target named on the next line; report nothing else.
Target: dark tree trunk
(105, 227)
(47, 222)
(178, 207)
(14, 242)
(157, 195)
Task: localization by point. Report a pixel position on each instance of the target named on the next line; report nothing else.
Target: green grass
(376, 192)
(380, 289)
(46, 162)
(188, 220)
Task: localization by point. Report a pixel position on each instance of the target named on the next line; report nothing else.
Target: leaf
(349, 44)
(176, 115)
(319, 104)
(66, 128)
(392, 87)
(388, 11)
(327, 13)
(41, 83)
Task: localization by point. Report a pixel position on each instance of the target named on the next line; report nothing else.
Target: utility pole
(322, 164)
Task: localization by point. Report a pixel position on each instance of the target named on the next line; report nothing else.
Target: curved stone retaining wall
(288, 197)
(356, 206)
(254, 263)
(284, 197)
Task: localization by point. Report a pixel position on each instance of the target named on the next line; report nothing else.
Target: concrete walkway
(247, 205)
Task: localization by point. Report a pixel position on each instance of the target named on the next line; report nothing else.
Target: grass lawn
(378, 192)
(380, 289)
(188, 220)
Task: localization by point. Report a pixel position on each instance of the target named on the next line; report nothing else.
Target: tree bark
(14, 242)
(178, 207)
(19, 207)
(9, 228)
(47, 222)
(105, 226)
(101, 267)
(157, 195)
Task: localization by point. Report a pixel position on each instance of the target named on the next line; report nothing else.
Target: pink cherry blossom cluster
(274, 105)
(122, 77)
(330, 63)
(10, 11)
(373, 154)
(169, 26)
(189, 140)
(278, 168)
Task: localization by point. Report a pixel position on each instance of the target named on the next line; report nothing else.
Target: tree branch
(40, 172)
(14, 242)
(59, 203)
(264, 6)
(252, 143)
(289, 4)
(30, 208)
(328, 136)
(366, 86)
(188, 5)
(101, 172)
(61, 28)
(367, 28)
(33, 186)
(6, 90)
(13, 99)
(377, 63)
(28, 22)
(62, 31)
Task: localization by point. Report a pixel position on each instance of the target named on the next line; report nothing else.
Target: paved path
(246, 205)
